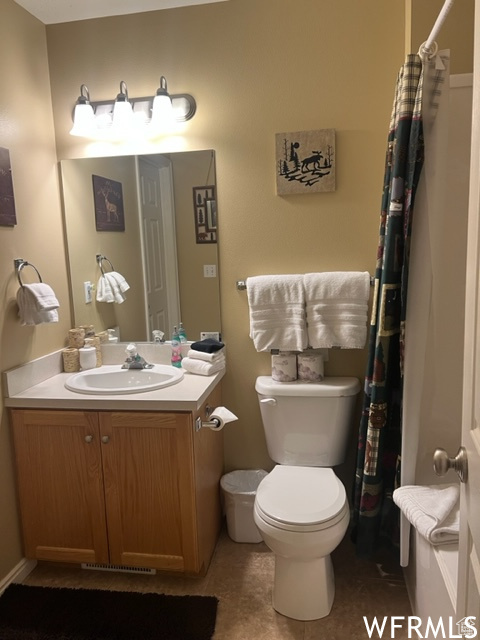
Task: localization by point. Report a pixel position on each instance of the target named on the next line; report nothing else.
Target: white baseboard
(18, 573)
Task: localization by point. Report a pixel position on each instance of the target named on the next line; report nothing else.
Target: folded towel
(111, 286)
(192, 365)
(432, 510)
(207, 357)
(337, 309)
(37, 304)
(43, 296)
(119, 280)
(277, 312)
(208, 345)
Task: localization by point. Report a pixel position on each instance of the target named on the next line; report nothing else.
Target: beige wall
(26, 129)
(255, 67)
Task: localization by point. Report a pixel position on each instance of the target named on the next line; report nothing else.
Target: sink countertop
(40, 385)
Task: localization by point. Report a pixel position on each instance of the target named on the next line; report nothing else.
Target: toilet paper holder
(207, 424)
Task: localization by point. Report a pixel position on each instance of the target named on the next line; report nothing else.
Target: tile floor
(241, 576)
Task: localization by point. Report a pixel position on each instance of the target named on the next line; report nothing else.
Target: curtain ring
(428, 52)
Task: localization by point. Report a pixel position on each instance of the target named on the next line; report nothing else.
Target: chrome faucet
(134, 360)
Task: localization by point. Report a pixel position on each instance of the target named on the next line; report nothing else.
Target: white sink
(113, 380)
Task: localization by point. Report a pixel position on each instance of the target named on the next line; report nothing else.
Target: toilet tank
(307, 424)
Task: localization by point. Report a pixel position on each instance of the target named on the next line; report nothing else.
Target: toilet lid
(301, 496)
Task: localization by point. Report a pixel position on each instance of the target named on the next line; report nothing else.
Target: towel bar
(100, 260)
(242, 284)
(19, 264)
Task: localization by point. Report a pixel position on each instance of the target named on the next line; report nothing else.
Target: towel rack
(100, 260)
(242, 284)
(19, 264)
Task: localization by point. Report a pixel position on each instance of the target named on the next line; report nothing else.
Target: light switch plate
(87, 287)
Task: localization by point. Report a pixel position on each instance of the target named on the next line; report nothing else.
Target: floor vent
(117, 567)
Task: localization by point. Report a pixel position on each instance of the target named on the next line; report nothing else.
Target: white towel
(337, 309)
(37, 304)
(206, 357)
(202, 368)
(277, 312)
(111, 287)
(432, 510)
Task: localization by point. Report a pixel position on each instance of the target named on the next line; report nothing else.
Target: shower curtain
(379, 441)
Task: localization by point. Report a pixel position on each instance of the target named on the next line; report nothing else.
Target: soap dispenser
(176, 358)
(182, 334)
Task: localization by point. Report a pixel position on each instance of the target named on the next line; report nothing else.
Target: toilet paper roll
(310, 367)
(223, 416)
(284, 367)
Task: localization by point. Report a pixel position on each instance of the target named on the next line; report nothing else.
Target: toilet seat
(301, 498)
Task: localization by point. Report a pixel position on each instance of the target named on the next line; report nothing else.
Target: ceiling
(56, 11)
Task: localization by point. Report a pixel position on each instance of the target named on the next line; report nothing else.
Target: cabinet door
(60, 485)
(149, 489)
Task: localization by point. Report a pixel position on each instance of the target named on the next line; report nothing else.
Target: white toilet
(301, 507)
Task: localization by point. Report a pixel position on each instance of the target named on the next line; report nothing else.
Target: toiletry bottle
(176, 358)
(181, 333)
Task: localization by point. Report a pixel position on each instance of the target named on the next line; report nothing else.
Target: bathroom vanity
(119, 480)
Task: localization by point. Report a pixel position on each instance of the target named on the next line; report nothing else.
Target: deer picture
(110, 208)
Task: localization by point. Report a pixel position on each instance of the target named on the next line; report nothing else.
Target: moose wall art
(305, 161)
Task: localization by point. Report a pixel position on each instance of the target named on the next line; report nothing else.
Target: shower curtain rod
(428, 46)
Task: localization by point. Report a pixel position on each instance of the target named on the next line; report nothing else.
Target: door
(157, 213)
(468, 591)
(60, 485)
(150, 489)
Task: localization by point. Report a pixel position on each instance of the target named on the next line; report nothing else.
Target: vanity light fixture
(83, 115)
(149, 116)
(162, 109)
(122, 119)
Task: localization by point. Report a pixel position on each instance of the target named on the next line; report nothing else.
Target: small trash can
(238, 490)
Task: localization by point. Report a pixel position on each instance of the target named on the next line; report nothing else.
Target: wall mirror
(154, 218)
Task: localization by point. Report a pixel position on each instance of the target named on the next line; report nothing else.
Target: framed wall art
(205, 211)
(305, 162)
(8, 216)
(108, 200)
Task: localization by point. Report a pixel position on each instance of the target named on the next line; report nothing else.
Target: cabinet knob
(105, 439)
(88, 439)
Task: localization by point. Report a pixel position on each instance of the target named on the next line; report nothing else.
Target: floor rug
(46, 613)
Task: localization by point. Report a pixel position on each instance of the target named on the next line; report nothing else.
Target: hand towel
(207, 357)
(111, 286)
(104, 290)
(208, 345)
(277, 312)
(43, 296)
(37, 304)
(119, 280)
(337, 309)
(432, 510)
(202, 368)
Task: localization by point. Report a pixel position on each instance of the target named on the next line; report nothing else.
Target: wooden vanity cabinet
(130, 488)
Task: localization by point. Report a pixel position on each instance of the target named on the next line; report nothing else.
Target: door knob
(442, 463)
(105, 439)
(88, 439)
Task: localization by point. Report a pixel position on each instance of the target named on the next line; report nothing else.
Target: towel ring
(20, 264)
(100, 260)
